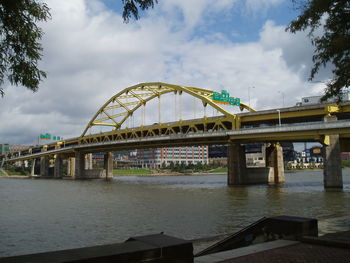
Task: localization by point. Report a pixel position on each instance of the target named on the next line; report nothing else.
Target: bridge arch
(143, 93)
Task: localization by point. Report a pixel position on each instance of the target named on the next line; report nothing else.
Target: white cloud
(90, 55)
(296, 49)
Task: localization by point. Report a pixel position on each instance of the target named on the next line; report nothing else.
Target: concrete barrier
(157, 248)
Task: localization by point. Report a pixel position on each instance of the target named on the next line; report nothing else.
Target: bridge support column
(71, 166)
(88, 161)
(274, 159)
(79, 165)
(236, 164)
(32, 171)
(58, 169)
(68, 166)
(332, 171)
(44, 166)
(108, 164)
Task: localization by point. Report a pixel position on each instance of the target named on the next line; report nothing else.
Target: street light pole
(279, 117)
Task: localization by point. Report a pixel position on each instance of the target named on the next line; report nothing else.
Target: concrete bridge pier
(332, 171)
(68, 166)
(274, 160)
(236, 164)
(44, 166)
(239, 174)
(58, 168)
(88, 161)
(108, 164)
(32, 171)
(71, 166)
(83, 167)
(79, 165)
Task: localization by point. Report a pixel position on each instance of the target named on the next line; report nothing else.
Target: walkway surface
(330, 248)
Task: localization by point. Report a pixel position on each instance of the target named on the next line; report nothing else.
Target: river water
(42, 215)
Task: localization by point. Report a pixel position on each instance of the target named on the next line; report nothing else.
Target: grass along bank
(142, 171)
(131, 171)
(345, 163)
(218, 170)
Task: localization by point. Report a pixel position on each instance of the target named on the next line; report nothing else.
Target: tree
(333, 45)
(131, 8)
(20, 49)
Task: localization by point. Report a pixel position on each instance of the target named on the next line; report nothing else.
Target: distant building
(345, 156)
(156, 158)
(217, 155)
(288, 151)
(312, 155)
(7, 148)
(217, 151)
(317, 99)
(255, 154)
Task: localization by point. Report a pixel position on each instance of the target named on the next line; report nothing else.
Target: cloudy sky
(90, 55)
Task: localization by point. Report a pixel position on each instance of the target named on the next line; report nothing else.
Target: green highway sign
(224, 98)
(48, 136)
(6, 148)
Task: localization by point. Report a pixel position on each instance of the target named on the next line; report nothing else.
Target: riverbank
(327, 224)
(164, 172)
(157, 173)
(16, 176)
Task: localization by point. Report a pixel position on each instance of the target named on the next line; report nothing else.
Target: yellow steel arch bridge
(263, 126)
(325, 123)
(119, 108)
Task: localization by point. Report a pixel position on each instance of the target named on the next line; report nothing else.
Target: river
(46, 214)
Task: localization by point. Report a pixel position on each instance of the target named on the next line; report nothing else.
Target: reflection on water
(42, 215)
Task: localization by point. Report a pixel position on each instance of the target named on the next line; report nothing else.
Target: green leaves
(333, 46)
(20, 49)
(131, 8)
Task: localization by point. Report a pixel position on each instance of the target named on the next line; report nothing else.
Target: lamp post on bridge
(279, 117)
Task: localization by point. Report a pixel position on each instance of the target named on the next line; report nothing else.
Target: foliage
(20, 49)
(219, 170)
(333, 16)
(183, 168)
(345, 163)
(14, 170)
(131, 8)
(19, 44)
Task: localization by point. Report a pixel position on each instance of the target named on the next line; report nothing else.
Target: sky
(90, 54)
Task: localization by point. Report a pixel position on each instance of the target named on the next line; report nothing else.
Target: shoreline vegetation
(166, 172)
(11, 171)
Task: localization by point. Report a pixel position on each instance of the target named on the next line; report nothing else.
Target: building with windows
(160, 157)
(7, 148)
(345, 96)
(255, 154)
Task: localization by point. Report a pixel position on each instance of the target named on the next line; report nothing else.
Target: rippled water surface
(42, 215)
